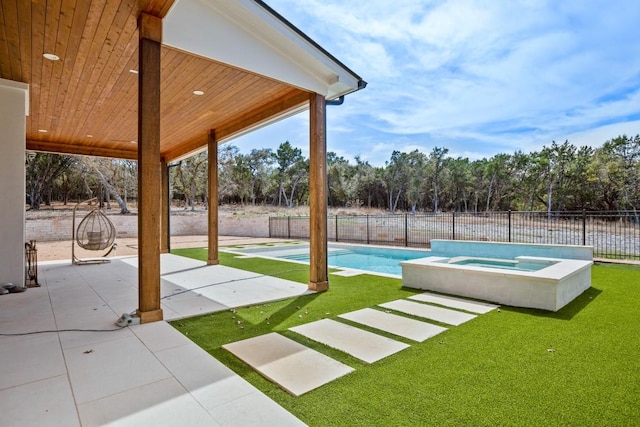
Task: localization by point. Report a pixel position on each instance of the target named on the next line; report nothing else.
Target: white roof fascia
(244, 34)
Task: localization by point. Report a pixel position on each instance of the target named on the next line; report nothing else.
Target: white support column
(14, 108)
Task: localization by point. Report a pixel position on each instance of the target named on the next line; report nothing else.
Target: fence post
(453, 225)
(509, 216)
(288, 226)
(336, 227)
(406, 229)
(367, 229)
(584, 227)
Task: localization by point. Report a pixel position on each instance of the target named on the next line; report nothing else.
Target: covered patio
(154, 81)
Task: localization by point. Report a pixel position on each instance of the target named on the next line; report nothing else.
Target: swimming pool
(380, 260)
(369, 258)
(523, 275)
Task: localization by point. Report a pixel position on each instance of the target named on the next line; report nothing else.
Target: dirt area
(61, 250)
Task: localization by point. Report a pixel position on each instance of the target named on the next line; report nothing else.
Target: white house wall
(13, 105)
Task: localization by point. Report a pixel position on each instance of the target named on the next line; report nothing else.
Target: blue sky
(477, 77)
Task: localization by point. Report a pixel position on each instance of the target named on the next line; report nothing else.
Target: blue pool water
(380, 260)
(505, 264)
(387, 260)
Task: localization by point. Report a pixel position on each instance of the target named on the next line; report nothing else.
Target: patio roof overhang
(158, 80)
(252, 66)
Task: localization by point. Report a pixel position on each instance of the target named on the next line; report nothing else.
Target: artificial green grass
(579, 366)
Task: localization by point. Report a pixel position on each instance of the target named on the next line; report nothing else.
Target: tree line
(558, 177)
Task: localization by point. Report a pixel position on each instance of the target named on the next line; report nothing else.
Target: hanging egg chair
(95, 232)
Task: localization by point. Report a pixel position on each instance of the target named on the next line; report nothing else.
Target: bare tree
(105, 171)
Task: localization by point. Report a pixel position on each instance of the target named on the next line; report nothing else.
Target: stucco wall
(12, 180)
(59, 227)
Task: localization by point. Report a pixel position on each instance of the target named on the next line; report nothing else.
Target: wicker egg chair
(95, 232)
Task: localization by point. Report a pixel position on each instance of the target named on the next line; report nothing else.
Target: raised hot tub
(484, 270)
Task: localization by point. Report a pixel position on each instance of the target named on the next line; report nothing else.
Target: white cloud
(498, 75)
(374, 57)
(596, 136)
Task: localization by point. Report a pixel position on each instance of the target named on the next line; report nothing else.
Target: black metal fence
(613, 235)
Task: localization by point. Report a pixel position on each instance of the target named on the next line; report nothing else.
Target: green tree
(340, 180)
(554, 162)
(436, 165)
(416, 172)
(623, 155)
(191, 178)
(498, 174)
(260, 165)
(366, 181)
(479, 183)
(579, 192)
(291, 171)
(227, 186)
(459, 183)
(42, 170)
(396, 178)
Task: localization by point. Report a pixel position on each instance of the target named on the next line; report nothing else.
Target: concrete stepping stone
(394, 324)
(439, 314)
(453, 302)
(364, 345)
(348, 273)
(293, 366)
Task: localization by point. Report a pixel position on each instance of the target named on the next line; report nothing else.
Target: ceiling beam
(80, 150)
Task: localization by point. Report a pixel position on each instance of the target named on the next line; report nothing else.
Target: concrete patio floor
(141, 375)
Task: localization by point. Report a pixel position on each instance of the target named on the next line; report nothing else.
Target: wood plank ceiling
(86, 102)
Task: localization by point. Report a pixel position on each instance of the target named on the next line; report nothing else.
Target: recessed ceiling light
(89, 136)
(51, 56)
(43, 130)
(198, 92)
(132, 71)
(134, 142)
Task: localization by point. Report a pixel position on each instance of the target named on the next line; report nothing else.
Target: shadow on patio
(141, 375)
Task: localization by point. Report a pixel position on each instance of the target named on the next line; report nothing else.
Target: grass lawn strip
(578, 366)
